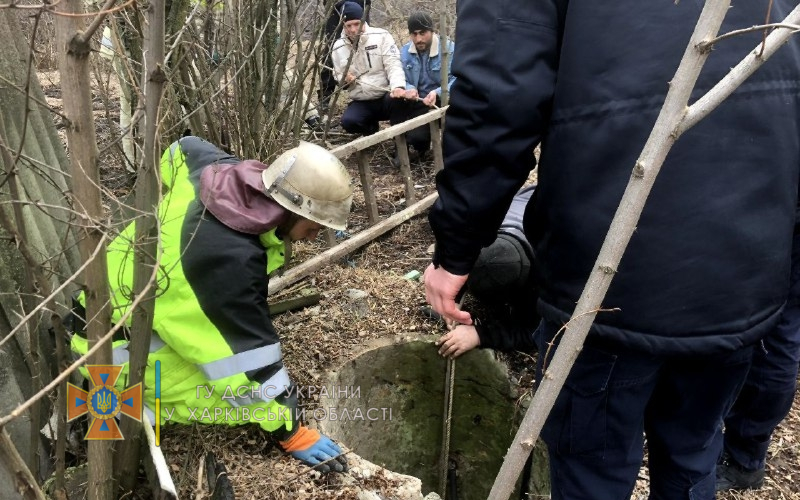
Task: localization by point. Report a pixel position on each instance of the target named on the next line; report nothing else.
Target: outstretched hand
(441, 289)
(462, 339)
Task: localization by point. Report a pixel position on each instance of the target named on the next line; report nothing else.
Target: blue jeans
(614, 396)
(768, 392)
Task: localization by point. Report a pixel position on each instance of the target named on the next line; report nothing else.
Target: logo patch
(104, 402)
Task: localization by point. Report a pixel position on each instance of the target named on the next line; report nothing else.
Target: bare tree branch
(708, 102)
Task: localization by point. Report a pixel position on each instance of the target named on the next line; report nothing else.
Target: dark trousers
(769, 389)
(420, 137)
(362, 117)
(614, 396)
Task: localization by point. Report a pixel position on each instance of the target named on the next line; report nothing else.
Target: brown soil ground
(320, 337)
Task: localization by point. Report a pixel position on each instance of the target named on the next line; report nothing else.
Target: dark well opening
(389, 402)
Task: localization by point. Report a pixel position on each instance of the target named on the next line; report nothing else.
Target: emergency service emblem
(104, 402)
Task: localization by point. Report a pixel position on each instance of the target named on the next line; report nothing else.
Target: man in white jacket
(366, 62)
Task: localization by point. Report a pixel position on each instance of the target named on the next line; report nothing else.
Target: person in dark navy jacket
(766, 397)
(706, 274)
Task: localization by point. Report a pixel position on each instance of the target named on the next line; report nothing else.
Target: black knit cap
(501, 271)
(352, 11)
(420, 21)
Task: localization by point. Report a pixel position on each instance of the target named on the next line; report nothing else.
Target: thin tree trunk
(445, 97)
(73, 55)
(147, 236)
(24, 480)
(61, 406)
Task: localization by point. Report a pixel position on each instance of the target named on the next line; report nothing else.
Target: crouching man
(224, 224)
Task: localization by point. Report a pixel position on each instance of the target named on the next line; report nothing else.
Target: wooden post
(436, 145)
(405, 168)
(330, 238)
(366, 186)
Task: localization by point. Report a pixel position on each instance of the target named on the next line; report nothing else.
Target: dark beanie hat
(351, 11)
(420, 21)
(501, 271)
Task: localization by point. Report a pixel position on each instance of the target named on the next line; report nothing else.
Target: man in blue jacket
(706, 274)
(422, 63)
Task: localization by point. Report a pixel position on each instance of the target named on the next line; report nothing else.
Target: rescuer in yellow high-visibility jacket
(223, 226)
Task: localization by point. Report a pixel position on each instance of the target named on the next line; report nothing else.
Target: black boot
(314, 122)
(732, 476)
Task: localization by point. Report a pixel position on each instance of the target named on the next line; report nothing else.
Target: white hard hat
(311, 182)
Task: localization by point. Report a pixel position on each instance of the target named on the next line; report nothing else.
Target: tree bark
(146, 253)
(73, 58)
(33, 218)
(25, 482)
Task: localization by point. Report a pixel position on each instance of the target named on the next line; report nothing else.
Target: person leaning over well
(224, 225)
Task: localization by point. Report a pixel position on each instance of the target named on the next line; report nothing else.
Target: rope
(450, 378)
(448, 416)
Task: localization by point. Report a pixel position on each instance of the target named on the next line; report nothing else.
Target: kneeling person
(224, 224)
(366, 61)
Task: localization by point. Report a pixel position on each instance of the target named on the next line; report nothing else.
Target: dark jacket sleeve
(510, 327)
(500, 103)
(505, 334)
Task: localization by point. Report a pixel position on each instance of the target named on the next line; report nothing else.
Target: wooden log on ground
(294, 303)
(302, 270)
